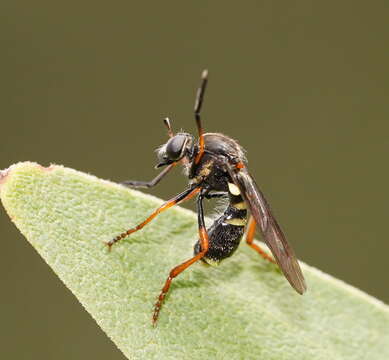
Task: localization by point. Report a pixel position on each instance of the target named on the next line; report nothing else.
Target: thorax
(211, 172)
(212, 168)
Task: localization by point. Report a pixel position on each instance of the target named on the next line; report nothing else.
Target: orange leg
(186, 195)
(204, 241)
(197, 109)
(250, 241)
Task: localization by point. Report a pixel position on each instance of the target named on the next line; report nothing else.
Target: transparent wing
(271, 231)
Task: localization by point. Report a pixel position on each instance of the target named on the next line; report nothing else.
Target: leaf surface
(243, 309)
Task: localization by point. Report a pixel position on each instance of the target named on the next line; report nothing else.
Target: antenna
(166, 121)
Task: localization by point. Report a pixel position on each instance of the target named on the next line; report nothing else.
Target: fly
(216, 167)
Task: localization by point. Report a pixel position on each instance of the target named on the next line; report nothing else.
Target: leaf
(243, 309)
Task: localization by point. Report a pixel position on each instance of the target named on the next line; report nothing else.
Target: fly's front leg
(250, 241)
(186, 195)
(204, 243)
(148, 184)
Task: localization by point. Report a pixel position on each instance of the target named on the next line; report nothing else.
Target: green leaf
(243, 309)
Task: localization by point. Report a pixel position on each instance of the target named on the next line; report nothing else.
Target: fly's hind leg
(250, 241)
(204, 243)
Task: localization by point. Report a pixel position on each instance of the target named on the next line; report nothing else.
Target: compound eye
(175, 146)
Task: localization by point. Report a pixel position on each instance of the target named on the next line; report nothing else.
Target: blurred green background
(302, 85)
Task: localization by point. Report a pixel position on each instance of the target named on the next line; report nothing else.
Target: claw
(109, 245)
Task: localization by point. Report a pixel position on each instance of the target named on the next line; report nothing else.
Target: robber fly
(216, 167)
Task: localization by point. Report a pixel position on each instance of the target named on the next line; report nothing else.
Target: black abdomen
(226, 232)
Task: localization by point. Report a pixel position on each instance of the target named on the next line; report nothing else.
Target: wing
(271, 231)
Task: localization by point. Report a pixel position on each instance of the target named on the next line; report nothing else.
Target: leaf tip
(6, 174)
(3, 175)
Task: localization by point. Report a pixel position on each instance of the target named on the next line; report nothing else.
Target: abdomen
(226, 232)
(224, 239)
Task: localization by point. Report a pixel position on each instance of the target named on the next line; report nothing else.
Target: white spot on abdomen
(234, 190)
(236, 222)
